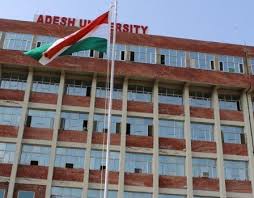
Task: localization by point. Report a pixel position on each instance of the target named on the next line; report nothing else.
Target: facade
(182, 124)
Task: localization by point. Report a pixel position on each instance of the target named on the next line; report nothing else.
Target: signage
(70, 22)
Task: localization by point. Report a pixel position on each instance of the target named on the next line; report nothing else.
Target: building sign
(68, 21)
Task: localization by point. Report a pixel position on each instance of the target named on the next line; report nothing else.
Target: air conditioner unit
(205, 174)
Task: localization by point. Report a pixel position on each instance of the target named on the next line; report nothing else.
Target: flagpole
(110, 55)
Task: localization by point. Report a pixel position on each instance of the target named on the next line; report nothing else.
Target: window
(174, 58)
(231, 64)
(204, 168)
(138, 163)
(139, 93)
(230, 102)
(92, 193)
(233, 134)
(77, 88)
(103, 92)
(85, 53)
(101, 125)
(2, 191)
(98, 160)
(200, 99)
(16, 41)
(171, 129)
(120, 52)
(236, 170)
(45, 84)
(170, 96)
(10, 115)
(74, 121)
(44, 40)
(139, 126)
(171, 196)
(202, 60)
(171, 165)
(26, 194)
(252, 65)
(64, 192)
(70, 157)
(40, 118)
(7, 153)
(13, 80)
(35, 155)
(141, 54)
(202, 132)
(137, 195)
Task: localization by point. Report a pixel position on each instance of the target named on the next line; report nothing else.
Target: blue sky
(228, 21)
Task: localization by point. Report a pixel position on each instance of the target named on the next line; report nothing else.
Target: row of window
(141, 54)
(50, 84)
(76, 121)
(134, 162)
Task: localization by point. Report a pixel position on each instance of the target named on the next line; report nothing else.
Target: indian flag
(91, 37)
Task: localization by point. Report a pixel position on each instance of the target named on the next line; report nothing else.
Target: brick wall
(238, 186)
(36, 172)
(173, 182)
(72, 136)
(8, 131)
(97, 138)
(201, 183)
(203, 146)
(100, 103)
(5, 170)
(235, 149)
(143, 107)
(138, 179)
(231, 115)
(38, 133)
(201, 112)
(139, 141)
(82, 101)
(7, 94)
(95, 177)
(46, 98)
(171, 109)
(66, 174)
(172, 144)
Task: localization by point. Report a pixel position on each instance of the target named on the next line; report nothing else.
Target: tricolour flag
(91, 37)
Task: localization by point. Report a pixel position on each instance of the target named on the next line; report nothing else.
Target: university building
(182, 124)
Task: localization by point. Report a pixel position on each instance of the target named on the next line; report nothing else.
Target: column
(89, 137)
(187, 134)
(55, 135)
(248, 138)
(156, 140)
(123, 140)
(2, 40)
(218, 139)
(20, 134)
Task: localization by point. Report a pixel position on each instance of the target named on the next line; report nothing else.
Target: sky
(228, 21)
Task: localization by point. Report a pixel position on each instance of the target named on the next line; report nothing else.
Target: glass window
(231, 64)
(101, 124)
(77, 88)
(92, 193)
(35, 155)
(40, 118)
(65, 192)
(2, 191)
(85, 53)
(10, 115)
(142, 54)
(139, 93)
(103, 92)
(171, 165)
(170, 96)
(120, 52)
(70, 157)
(236, 170)
(16, 41)
(44, 40)
(98, 160)
(139, 126)
(138, 163)
(174, 58)
(200, 99)
(13, 80)
(171, 129)
(204, 168)
(7, 153)
(26, 194)
(171, 196)
(233, 134)
(202, 132)
(230, 102)
(45, 84)
(202, 60)
(137, 195)
(74, 121)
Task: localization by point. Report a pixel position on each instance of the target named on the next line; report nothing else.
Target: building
(182, 118)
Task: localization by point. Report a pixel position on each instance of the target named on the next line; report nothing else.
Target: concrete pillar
(251, 114)
(156, 140)
(216, 63)
(89, 137)
(187, 134)
(55, 135)
(20, 134)
(123, 140)
(247, 132)
(187, 59)
(218, 140)
(2, 40)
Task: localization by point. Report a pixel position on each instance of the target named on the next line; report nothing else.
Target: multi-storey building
(182, 124)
